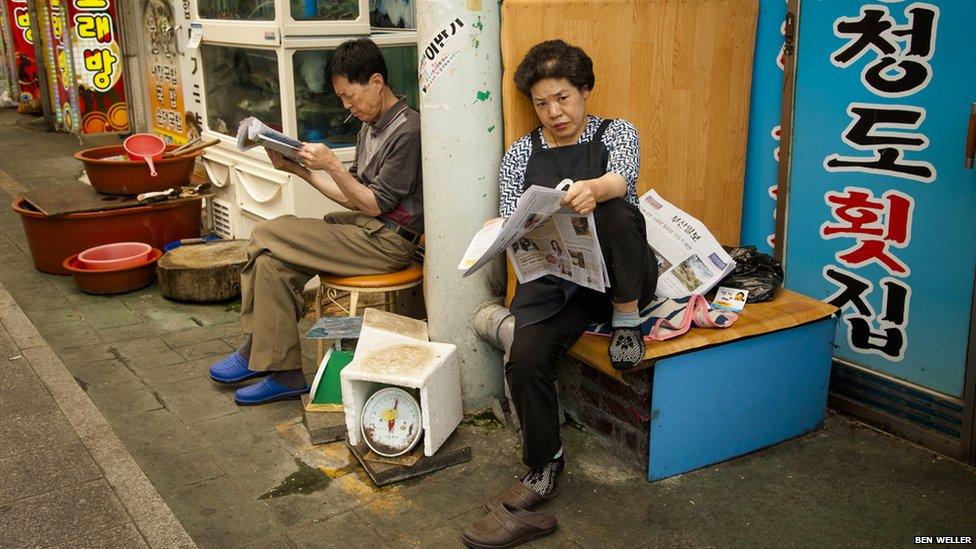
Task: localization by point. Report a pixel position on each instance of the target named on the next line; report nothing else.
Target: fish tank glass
(240, 82)
(321, 117)
(324, 10)
(241, 10)
(392, 14)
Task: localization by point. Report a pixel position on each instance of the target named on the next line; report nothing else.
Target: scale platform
(385, 471)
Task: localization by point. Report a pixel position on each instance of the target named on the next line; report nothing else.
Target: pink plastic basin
(117, 255)
(114, 281)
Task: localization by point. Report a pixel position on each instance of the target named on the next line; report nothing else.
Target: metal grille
(221, 219)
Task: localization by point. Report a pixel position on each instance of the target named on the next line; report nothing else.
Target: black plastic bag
(754, 271)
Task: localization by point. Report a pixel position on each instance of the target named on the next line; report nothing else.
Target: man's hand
(279, 161)
(582, 196)
(316, 156)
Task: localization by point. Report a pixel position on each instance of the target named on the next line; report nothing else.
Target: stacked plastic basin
(56, 241)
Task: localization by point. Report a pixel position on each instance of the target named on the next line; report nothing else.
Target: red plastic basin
(118, 255)
(53, 238)
(113, 281)
(132, 176)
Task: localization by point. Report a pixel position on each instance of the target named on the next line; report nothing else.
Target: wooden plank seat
(787, 310)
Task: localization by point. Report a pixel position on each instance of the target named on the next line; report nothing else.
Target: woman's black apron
(540, 299)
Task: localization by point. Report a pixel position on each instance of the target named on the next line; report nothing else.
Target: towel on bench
(667, 318)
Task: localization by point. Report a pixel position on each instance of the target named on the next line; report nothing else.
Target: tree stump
(203, 273)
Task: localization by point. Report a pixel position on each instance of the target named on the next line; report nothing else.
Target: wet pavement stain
(303, 481)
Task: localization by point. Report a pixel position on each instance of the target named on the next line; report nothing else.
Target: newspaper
(689, 259)
(542, 238)
(252, 132)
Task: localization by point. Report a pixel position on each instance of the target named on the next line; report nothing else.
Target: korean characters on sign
(167, 102)
(93, 28)
(895, 44)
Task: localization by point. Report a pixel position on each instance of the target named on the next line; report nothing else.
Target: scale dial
(390, 422)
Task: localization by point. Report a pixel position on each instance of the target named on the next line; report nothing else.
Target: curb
(150, 514)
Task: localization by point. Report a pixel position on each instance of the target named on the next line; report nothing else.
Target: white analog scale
(391, 422)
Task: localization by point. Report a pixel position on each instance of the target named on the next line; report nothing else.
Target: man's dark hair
(357, 61)
(554, 59)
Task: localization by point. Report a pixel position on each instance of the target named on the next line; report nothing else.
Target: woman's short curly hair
(554, 59)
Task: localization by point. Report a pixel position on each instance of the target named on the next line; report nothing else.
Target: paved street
(112, 435)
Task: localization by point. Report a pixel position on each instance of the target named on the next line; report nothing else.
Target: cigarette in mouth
(347, 118)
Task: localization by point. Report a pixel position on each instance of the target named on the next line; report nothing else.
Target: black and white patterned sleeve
(623, 146)
(511, 175)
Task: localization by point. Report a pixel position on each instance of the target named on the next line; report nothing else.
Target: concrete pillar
(460, 104)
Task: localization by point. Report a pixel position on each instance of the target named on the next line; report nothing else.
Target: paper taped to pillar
(440, 51)
(881, 207)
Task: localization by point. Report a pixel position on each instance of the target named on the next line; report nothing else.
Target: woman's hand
(583, 196)
(279, 161)
(316, 156)
(492, 221)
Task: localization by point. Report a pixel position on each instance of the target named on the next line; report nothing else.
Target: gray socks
(293, 379)
(245, 349)
(625, 320)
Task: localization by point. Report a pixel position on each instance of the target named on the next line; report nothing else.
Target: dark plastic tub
(51, 239)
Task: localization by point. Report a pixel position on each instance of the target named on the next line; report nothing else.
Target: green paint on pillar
(491, 129)
(479, 25)
(483, 96)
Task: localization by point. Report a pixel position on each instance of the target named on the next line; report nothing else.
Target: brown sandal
(507, 526)
(520, 497)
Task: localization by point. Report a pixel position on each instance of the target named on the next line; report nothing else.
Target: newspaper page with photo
(542, 238)
(689, 259)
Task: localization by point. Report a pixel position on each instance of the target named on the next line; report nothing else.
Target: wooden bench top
(786, 310)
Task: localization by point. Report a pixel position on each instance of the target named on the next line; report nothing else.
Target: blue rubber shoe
(233, 369)
(266, 390)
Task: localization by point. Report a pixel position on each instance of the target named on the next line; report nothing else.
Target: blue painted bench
(711, 394)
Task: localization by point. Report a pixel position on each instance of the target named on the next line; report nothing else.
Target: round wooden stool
(387, 283)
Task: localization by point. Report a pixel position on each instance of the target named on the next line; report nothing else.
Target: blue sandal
(267, 390)
(233, 369)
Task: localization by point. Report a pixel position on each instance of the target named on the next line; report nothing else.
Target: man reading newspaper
(383, 191)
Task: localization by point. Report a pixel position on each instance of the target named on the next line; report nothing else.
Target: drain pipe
(496, 325)
(461, 132)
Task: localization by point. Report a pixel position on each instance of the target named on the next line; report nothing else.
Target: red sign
(23, 46)
(97, 57)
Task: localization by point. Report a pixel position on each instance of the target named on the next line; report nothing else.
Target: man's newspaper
(542, 238)
(689, 259)
(252, 132)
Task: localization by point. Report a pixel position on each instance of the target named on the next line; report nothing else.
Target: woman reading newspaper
(602, 158)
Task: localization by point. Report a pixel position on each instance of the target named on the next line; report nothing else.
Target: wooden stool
(387, 283)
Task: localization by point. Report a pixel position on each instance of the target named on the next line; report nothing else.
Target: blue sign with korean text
(881, 208)
(762, 155)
